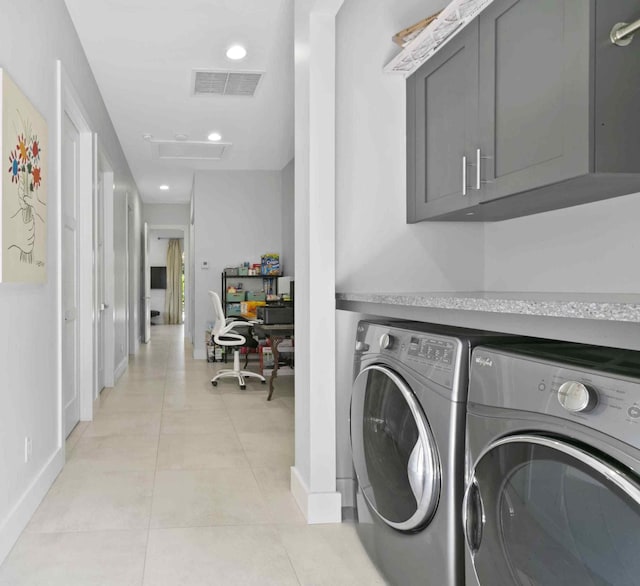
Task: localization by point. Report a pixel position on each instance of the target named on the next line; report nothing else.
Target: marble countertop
(604, 319)
(596, 306)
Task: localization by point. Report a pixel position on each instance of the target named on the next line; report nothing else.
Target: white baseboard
(317, 507)
(121, 369)
(15, 522)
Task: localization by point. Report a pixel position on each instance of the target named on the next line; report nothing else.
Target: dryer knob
(386, 341)
(577, 397)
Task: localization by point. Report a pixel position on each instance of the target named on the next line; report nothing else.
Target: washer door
(394, 453)
(541, 511)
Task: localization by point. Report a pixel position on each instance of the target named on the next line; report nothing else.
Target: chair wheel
(243, 387)
(214, 383)
(264, 382)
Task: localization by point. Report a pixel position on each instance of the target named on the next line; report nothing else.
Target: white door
(146, 270)
(70, 182)
(100, 276)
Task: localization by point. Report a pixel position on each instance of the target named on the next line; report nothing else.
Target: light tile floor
(176, 482)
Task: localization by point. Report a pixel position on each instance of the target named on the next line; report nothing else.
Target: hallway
(175, 482)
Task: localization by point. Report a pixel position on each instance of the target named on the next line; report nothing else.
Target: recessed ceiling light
(214, 137)
(164, 187)
(236, 52)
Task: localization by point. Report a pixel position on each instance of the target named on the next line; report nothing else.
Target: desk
(276, 333)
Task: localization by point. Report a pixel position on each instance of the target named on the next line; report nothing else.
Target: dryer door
(394, 452)
(541, 511)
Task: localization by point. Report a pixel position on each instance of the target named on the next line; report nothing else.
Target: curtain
(173, 296)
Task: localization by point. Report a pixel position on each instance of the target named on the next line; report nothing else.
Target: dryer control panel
(431, 349)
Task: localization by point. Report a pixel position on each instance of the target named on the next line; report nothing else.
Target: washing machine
(553, 468)
(407, 441)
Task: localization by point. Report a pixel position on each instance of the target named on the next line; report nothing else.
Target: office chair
(225, 334)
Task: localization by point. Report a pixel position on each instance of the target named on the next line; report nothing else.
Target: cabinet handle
(622, 33)
(464, 174)
(479, 159)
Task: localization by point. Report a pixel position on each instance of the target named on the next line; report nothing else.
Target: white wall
(29, 400)
(288, 256)
(376, 250)
(237, 219)
(589, 248)
(166, 214)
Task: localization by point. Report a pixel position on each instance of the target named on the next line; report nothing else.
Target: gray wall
(33, 34)
(237, 219)
(288, 255)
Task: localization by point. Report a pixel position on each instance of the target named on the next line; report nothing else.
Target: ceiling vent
(189, 150)
(225, 83)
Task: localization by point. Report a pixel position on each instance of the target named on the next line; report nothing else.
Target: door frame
(105, 177)
(187, 272)
(134, 333)
(71, 105)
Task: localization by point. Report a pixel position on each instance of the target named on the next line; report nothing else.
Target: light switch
(204, 265)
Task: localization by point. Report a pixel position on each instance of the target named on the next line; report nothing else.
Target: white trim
(58, 276)
(187, 271)
(72, 106)
(313, 479)
(107, 178)
(318, 507)
(128, 210)
(134, 272)
(18, 517)
(121, 369)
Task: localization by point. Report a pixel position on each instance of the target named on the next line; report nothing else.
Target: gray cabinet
(442, 109)
(557, 118)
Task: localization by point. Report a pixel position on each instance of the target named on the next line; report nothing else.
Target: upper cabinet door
(534, 94)
(442, 114)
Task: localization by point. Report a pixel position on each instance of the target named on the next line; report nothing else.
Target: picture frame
(23, 188)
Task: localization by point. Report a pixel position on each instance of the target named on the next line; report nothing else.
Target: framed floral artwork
(23, 189)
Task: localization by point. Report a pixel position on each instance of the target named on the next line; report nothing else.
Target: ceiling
(143, 53)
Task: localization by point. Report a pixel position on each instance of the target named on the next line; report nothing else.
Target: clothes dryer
(553, 491)
(407, 440)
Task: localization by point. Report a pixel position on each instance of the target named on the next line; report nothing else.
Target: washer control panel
(607, 402)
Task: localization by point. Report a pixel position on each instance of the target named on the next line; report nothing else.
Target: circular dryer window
(394, 452)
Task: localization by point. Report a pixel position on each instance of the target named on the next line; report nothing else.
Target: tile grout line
(155, 474)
